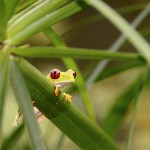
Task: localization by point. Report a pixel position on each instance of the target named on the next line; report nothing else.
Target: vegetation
(19, 21)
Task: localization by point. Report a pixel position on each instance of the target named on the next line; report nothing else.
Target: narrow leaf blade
(47, 20)
(78, 53)
(10, 10)
(24, 101)
(113, 120)
(13, 138)
(4, 66)
(133, 36)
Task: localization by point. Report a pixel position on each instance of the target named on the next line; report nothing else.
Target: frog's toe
(17, 118)
(68, 97)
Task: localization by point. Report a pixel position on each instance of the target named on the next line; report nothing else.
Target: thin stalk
(4, 71)
(115, 47)
(10, 142)
(97, 17)
(77, 53)
(133, 36)
(60, 142)
(132, 123)
(146, 76)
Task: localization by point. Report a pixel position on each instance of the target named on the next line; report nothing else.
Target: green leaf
(23, 12)
(41, 10)
(13, 138)
(145, 77)
(25, 4)
(78, 53)
(116, 46)
(11, 6)
(46, 21)
(60, 142)
(65, 116)
(97, 17)
(24, 102)
(113, 120)
(4, 66)
(2, 19)
(2, 10)
(113, 70)
(133, 36)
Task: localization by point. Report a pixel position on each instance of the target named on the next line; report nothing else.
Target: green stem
(77, 53)
(135, 108)
(4, 72)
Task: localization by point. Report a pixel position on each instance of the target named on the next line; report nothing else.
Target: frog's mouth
(62, 84)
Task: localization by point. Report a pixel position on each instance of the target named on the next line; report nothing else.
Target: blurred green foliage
(110, 85)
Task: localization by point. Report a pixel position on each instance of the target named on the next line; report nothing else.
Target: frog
(59, 79)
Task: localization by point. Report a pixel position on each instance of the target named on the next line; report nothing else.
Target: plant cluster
(21, 20)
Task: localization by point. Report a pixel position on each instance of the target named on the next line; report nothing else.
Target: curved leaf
(11, 6)
(4, 67)
(133, 36)
(46, 21)
(34, 15)
(109, 72)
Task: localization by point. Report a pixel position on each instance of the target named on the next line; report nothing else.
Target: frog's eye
(55, 74)
(74, 74)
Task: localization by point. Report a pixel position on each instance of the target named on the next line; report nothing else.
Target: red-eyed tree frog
(58, 79)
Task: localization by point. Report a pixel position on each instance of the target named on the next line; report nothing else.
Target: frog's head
(60, 79)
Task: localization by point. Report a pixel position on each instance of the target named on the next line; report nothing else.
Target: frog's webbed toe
(17, 118)
(68, 97)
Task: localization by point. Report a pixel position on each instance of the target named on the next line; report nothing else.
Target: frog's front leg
(17, 118)
(56, 91)
(68, 97)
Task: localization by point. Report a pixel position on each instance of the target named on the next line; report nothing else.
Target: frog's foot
(56, 91)
(68, 97)
(40, 117)
(17, 118)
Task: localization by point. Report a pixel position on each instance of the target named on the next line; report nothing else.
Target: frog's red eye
(55, 74)
(74, 74)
